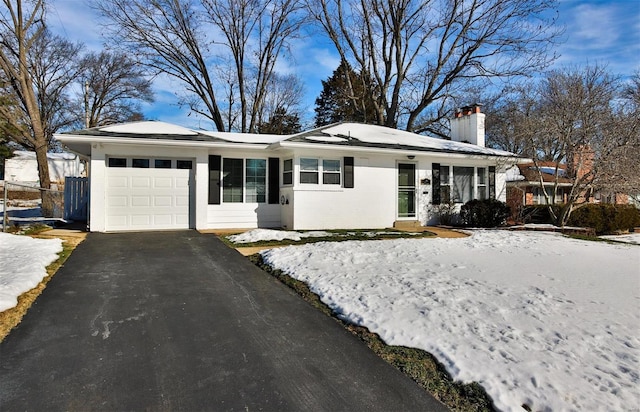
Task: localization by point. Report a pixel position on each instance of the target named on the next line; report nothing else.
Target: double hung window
(331, 172)
(256, 180)
(287, 172)
(309, 170)
(232, 178)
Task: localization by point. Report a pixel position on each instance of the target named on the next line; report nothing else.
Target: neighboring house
(22, 168)
(524, 187)
(154, 176)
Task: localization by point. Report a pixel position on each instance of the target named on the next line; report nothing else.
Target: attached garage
(147, 199)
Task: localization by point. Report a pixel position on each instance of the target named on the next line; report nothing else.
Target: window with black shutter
(435, 183)
(348, 172)
(274, 180)
(215, 162)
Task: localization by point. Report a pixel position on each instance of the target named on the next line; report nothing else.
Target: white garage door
(147, 199)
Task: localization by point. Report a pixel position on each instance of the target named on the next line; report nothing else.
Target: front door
(406, 190)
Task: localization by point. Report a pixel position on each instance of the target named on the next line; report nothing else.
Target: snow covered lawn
(535, 318)
(24, 261)
(629, 238)
(263, 235)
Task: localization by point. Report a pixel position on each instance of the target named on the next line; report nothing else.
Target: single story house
(22, 168)
(158, 176)
(524, 187)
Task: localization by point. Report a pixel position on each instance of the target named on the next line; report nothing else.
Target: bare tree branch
(417, 51)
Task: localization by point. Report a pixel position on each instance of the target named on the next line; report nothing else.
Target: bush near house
(538, 214)
(606, 218)
(484, 213)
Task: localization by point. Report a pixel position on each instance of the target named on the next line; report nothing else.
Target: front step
(407, 224)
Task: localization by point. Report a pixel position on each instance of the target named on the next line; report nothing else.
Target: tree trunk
(45, 181)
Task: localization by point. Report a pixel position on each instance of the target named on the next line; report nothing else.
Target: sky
(596, 31)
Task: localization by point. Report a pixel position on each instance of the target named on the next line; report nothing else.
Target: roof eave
(404, 151)
(64, 138)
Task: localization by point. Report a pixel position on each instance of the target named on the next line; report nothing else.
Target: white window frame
(287, 172)
(474, 181)
(321, 171)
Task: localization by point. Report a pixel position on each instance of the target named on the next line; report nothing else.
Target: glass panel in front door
(406, 190)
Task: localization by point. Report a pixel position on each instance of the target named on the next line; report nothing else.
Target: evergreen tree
(345, 96)
(281, 122)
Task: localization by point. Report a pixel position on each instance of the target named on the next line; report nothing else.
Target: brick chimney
(468, 125)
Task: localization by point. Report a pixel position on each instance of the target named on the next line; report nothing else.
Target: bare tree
(186, 39)
(574, 119)
(283, 94)
(114, 84)
(36, 68)
(419, 52)
(168, 36)
(256, 34)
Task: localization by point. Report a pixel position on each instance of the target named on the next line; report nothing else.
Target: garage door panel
(182, 201)
(140, 182)
(147, 199)
(163, 201)
(140, 201)
(163, 183)
(140, 221)
(119, 181)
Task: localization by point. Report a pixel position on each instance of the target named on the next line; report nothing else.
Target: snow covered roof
(148, 127)
(365, 135)
(513, 174)
(246, 137)
(528, 172)
(23, 154)
(340, 135)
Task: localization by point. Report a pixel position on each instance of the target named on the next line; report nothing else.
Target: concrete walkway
(178, 321)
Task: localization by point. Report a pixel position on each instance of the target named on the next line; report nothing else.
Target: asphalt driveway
(178, 321)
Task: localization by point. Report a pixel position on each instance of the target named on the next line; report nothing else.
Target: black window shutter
(435, 183)
(214, 179)
(492, 182)
(347, 170)
(274, 180)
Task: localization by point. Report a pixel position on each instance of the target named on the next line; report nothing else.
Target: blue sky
(596, 31)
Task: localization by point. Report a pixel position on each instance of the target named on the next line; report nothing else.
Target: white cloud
(76, 21)
(605, 33)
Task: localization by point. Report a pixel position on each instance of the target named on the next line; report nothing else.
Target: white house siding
(240, 215)
(243, 216)
(369, 204)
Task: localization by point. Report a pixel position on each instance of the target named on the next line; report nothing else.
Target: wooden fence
(76, 198)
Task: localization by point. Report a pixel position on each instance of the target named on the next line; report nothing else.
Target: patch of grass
(336, 236)
(10, 318)
(419, 365)
(599, 239)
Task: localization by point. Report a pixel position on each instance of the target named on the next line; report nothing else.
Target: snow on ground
(535, 318)
(628, 238)
(25, 213)
(259, 235)
(24, 261)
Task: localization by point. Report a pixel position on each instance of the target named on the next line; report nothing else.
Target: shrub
(446, 213)
(606, 218)
(484, 213)
(539, 214)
